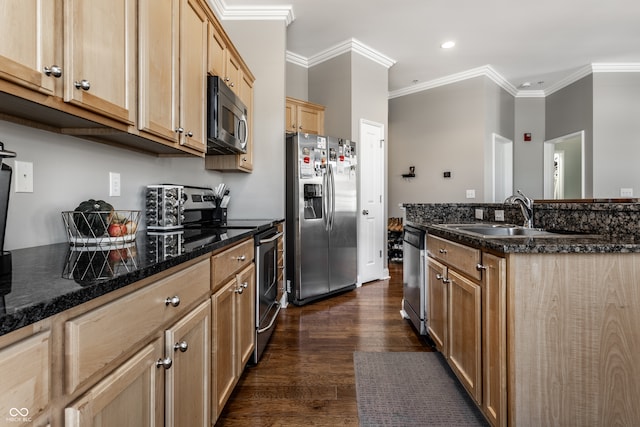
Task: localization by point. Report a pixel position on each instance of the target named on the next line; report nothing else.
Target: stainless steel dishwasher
(413, 277)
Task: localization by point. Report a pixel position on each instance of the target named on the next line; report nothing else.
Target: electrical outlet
(499, 215)
(479, 214)
(24, 177)
(114, 184)
(471, 194)
(626, 192)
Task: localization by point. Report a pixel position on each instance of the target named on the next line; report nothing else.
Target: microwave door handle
(243, 129)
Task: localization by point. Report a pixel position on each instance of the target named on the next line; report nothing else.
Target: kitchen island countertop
(44, 280)
(556, 244)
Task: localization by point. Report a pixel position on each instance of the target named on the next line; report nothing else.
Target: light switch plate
(114, 184)
(471, 194)
(479, 214)
(499, 215)
(626, 192)
(24, 177)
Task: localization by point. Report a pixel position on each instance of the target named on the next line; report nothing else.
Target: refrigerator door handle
(325, 200)
(333, 197)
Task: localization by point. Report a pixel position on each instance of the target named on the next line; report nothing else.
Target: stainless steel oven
(267, 304)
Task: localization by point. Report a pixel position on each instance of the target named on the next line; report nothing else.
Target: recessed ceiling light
(448, 45)
(525, 84)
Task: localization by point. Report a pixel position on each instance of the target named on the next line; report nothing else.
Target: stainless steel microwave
(227, 129)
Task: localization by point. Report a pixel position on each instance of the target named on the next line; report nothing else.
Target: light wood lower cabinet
(464, 325)
(133, 395)
(466, 318)
(437, 306)
(24, 371)
(233, 333)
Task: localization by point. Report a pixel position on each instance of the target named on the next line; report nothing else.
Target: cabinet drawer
(461, 257)
(229, 261)
(93, 340)
(24, 369)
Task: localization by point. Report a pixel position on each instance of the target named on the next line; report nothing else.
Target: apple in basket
(117, 229)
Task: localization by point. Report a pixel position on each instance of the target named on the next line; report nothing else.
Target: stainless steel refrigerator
(321, 204)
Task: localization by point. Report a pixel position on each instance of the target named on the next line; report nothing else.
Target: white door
(371, 240)
(502, 168)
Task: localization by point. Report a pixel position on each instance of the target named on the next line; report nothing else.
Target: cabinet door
(131, 396)
(187, 382)
(217, 53)
(290, 118)
(464, 332)
(193, 74)
(245, 161)
(27, 31)
(437, 305)
(25, 371)
(310, 120)
(245, 316)
(494, 340)
(99, 56)
(233, 73)
(158, 106)
(224, 344)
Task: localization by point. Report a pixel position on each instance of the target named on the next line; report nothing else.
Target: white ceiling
(547, 43)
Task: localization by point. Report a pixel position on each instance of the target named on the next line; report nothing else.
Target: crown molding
(351, 45)
(252, 13)
(616, 67)
(296, 59)
(485, 71)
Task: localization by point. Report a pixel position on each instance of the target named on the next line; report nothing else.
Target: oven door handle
(273, 320)
(271, 239)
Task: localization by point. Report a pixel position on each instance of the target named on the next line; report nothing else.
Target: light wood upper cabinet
(193, 74)
(100, 57)
(225, 62)
(158, 100)
(28, 34)
(303, 116)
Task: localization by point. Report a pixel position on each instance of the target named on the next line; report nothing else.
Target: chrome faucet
(526, 205)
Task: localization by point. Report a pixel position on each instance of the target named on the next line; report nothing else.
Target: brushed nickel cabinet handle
(174, 301)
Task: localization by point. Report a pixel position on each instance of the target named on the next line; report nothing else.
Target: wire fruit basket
(101, 228)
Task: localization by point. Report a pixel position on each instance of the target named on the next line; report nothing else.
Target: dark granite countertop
(564, 244)
(46, 280)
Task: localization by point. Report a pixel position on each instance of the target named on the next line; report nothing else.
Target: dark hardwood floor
(305, 376)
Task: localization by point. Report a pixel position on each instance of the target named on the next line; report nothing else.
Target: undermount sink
(504, 230)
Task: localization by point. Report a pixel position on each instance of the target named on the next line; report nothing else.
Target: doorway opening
(502, 170)
(564, 167)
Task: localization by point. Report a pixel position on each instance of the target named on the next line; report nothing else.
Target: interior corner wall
(261, 193)
(499, 115)
(297, 81)
(616, 133)
(570, 110)
(330, 85)
(529, 117)
(369, 94)
(437, 130)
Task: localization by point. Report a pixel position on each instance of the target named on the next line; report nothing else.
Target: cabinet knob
(242, 258)
(240, 290)
(174, 301)
(189, 134)
(180, 130)
(442, 251)
(164, 363)
(232, 84)
(82, 84)
(480, 267)
(439, 276)
(182, 346)
(54, 71)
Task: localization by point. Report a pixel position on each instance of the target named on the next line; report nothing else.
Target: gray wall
(616, 133)
(261, 193)
(68, 170)
(297, 81)
(369, 99)
(330, 85)
(528, 156)
(438, 130)
(570, 110)
(499, 119)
